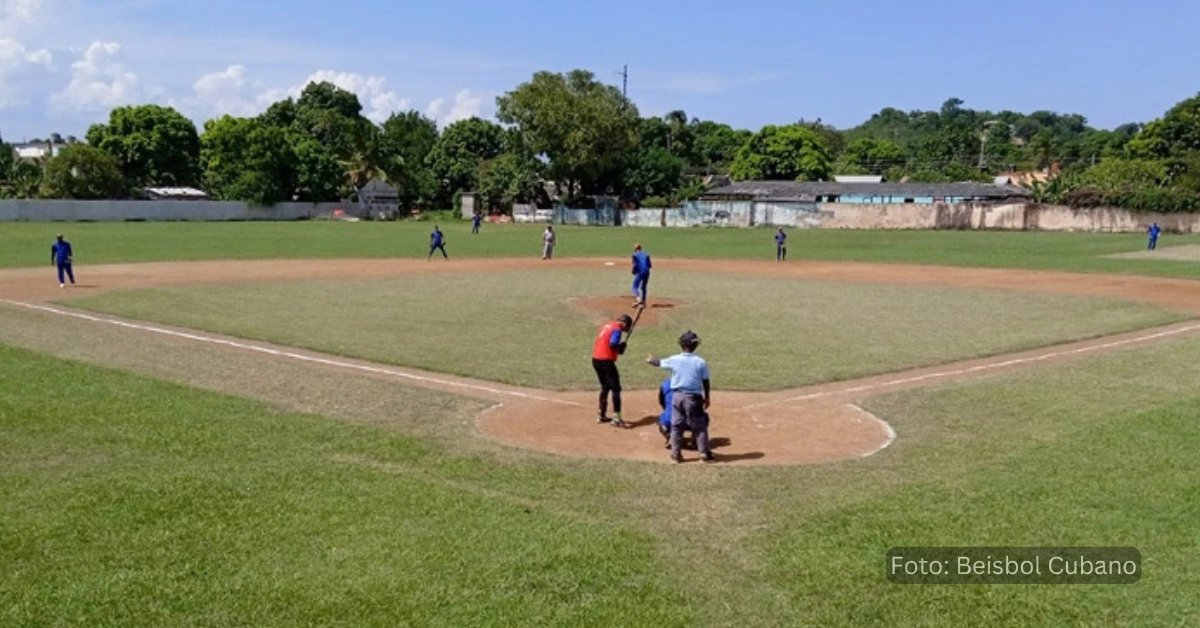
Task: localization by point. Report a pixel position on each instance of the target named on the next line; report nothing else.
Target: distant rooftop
(814, 190)
(176, 193)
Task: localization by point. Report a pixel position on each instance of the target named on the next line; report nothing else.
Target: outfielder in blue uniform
(1152, 233)
(61, 256)
(641, 274)
(780, 245)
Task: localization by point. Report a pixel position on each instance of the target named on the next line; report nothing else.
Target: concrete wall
(49, 210)
(1106, 219)
(922, 216)
(1016, 216)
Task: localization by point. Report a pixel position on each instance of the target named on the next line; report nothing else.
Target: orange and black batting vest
(602, 350)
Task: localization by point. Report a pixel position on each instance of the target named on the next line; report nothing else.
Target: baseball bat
(636, 317)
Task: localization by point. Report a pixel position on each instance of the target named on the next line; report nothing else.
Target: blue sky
(65, 63)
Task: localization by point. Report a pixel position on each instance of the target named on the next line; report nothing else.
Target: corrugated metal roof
(858, 178)
(175, 191)
(773, 190)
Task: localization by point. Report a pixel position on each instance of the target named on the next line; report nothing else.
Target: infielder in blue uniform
(641, 274)
(437, 242)
(780, 245)
(690, 396)
(61, 256)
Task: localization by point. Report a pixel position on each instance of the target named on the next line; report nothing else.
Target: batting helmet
(689, 340)
(625, 320)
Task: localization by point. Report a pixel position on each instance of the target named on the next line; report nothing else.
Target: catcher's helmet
(689, 340)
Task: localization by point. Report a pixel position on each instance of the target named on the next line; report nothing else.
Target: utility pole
(624, 81)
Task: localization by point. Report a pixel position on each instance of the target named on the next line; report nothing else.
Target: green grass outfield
(28, 244)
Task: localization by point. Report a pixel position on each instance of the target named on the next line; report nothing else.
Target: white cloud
(19, 10)
(228, 92)
(98, 81)
(232, 91)
(378, 101)
(466, 105)
(13, 54)
(16, 61)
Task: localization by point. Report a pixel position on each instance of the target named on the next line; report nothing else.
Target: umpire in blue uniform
(62, 256)
(690, 396)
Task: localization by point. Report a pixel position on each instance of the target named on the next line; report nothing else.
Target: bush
(655, 202)
(1083, 198)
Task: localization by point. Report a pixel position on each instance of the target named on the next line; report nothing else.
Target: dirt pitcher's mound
(767, 434)
(600, 309)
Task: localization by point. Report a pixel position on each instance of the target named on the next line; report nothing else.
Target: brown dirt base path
(806, 425)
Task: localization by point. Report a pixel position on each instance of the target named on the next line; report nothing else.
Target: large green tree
(507, 179)
(330, 115)
(153, 145)
(715, 145)
(782, 152)
(83, 172)
(336, 150)
(247, 159)
(586, 130)
(654, 172)
(458, 154)
(319, 175)
(868, 155)
(405, 141)
(1175, 136)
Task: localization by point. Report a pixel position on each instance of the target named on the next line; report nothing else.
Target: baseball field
(310, 423)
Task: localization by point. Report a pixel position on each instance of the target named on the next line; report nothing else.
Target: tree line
(572, 137)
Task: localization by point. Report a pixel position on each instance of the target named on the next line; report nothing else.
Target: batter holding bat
(606, 348)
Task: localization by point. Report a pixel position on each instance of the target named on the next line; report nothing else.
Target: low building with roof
(849, 204)
(862, 192)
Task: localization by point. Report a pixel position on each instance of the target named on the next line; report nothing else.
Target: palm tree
(363, 163)
(677, 122)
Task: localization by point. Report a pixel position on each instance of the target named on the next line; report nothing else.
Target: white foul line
(289, 354)
(887, 430)
(981, 367)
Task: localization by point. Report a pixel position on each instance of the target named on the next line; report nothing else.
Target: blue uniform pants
(64, 267)
(639, 286)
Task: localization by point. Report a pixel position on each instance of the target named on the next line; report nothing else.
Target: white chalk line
(887, 430)
(981, 367)
(379, 370)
